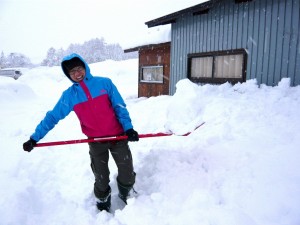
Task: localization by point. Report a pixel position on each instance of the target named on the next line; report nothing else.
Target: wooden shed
(234, 40)
(154, 69)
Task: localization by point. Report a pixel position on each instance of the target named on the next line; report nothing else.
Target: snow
(149, 36)
(240, 167)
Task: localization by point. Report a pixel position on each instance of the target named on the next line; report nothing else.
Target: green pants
(99, 153)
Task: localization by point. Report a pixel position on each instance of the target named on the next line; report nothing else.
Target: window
(152, 74)
(202, 67)
(229, 66)
(218, 67)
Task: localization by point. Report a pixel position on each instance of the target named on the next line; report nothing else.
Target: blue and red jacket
(97, 104)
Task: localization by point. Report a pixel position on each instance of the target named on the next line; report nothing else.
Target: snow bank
(240, 167)
(13, 90)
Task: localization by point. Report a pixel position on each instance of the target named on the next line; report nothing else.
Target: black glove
(29, 145)
(132, 135)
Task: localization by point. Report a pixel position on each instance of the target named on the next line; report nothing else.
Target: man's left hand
(132, 135)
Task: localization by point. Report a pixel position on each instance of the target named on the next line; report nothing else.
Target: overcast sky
(31, 27)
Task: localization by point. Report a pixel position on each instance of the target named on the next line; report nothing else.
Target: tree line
(14, 60)
(94, 50)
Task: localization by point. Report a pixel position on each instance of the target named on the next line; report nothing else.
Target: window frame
(214, 80)
(151, 81)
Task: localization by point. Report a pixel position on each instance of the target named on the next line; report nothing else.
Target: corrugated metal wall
(269, 30)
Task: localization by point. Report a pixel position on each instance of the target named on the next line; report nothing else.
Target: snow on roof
(155, 35)
(161, 32)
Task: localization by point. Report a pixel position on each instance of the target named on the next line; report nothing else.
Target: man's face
(77, 74)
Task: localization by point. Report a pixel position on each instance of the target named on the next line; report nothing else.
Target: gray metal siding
(267, 29)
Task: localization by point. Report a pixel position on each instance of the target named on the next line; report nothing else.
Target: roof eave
(145, 47)
(171, 18)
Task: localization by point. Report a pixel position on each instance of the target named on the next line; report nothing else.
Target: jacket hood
(69, 57)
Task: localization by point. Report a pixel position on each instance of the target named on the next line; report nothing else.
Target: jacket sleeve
(119, 106)
(62, 108)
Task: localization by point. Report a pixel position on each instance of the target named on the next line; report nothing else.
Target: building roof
(145, 47)
(159, 37)
(171, 18)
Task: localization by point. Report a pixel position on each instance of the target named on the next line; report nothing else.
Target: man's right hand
(29, 145)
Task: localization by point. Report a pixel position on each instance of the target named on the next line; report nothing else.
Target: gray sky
(31, 27)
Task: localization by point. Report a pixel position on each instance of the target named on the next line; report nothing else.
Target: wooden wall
(155, 55)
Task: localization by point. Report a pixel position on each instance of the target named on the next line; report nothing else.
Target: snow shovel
(111, 138)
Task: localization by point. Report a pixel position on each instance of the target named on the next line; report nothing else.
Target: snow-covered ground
(240, 168)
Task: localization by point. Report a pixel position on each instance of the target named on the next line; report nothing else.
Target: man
(101, 112)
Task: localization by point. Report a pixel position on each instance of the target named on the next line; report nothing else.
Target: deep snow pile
(240, 167)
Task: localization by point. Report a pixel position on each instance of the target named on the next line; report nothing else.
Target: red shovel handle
(103, 139)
